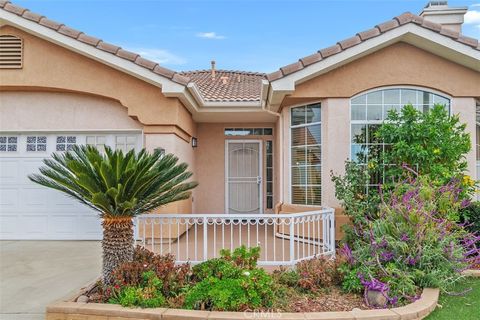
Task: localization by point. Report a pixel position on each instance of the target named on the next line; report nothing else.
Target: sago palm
(119, 186)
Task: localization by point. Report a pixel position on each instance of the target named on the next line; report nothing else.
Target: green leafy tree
(433, 143)
(119, 186)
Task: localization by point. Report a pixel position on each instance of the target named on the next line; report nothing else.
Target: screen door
(243, 177)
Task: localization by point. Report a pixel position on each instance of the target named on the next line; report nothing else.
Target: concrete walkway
(36, 273)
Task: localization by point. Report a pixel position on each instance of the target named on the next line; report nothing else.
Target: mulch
(333, 300)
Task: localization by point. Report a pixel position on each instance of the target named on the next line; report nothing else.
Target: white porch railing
(284, 239)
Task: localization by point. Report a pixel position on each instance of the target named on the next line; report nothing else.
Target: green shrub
(230, 283)
(470, 216)
(414, 243)
(148, 294)
(252, 290)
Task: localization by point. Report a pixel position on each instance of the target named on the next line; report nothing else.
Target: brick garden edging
(67, 309)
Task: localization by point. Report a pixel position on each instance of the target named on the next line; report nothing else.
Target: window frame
(289, 153)
(367, 122)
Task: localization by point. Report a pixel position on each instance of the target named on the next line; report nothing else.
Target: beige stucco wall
(47, 66)
(398, 64)
(210, 161)
(466, 109)
(54, 111)
(184, 151)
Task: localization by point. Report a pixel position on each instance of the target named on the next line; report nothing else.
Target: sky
(248, 35)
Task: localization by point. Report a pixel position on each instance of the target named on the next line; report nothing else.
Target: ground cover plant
(232, 282)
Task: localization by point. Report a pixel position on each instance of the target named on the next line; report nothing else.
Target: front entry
(243, 176)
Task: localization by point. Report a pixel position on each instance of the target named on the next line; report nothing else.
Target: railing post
(292, 242)
(332, 231)
(205, 240)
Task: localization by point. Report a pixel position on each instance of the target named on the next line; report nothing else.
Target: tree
(119, 186)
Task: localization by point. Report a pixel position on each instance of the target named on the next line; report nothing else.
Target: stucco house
(253, 140)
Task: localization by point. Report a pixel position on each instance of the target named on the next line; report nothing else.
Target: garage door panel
(34, 224)
(8, 223)
(9, 199)
(27, 168)
(9, 171)
(30, 211)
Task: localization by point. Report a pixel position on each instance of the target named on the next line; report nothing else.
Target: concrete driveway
(36, 273)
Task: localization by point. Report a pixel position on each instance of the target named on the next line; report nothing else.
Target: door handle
(259, 179)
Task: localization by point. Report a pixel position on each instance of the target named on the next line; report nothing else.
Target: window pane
(374, 112)
(426, 98)
(269, 160)
(408, 97)
(298, 116)
(314, 155)
(374, 97)
(359, 153)
(298, 195)
(269, 146)
(440, 100)
(298, 156)
(257, 131)
(298, 175)
(359, 112)
(313, 113)
(268, 131)
(314, 134)
(359, 133)
(397, 108)
(360, 99)
(391, 96)
(314, 195)
(314, 175)
(298, 136)
(372, 129)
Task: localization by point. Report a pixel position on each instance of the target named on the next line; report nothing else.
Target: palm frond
(115, 183)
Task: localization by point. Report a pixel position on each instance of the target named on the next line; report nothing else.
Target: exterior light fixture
(194, 142)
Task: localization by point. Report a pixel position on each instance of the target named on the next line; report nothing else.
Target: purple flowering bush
(415, 242)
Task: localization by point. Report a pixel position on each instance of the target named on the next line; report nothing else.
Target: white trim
(260, 159)
(383, 88)
(289, 141)
(418, 36)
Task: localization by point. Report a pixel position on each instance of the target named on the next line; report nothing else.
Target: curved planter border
(69, 309)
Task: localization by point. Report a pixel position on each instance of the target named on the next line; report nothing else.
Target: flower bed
(69, 309)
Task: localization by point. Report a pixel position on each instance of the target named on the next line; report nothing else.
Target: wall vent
(11, 52)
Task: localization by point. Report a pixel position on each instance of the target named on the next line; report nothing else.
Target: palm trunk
(117, 244)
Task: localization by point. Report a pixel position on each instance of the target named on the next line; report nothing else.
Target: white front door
(243, 174)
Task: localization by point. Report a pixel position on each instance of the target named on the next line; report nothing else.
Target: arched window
(10, 52)
(369, 110)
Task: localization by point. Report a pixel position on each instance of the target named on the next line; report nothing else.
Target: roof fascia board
(408, 32)
(89, 51)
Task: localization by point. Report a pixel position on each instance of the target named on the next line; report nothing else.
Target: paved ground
(35, 273)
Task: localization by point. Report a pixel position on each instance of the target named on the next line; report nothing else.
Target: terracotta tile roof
(94, 42)
(227, 85)
(368, 34)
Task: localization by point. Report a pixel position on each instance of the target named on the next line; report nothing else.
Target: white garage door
(30, 211)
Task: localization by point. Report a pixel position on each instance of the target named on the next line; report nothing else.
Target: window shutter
(10, 52)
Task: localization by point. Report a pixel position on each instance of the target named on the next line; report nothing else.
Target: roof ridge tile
(3, 3)
(32, 16)
(387, 25)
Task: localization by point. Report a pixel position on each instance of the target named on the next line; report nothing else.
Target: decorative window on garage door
(8, 144)
(36, 143)
(97, 141)
(65, 143)
(125, 143)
